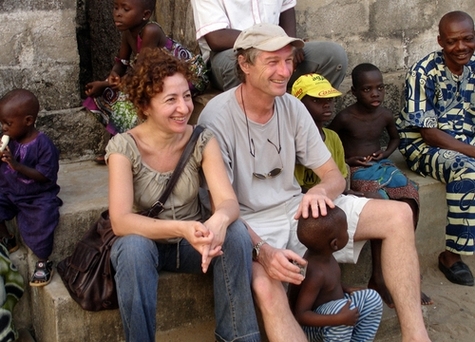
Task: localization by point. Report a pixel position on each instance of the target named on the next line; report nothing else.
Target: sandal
(10, 243)
(43, 273)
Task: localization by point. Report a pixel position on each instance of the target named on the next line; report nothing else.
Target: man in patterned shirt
(437, 131)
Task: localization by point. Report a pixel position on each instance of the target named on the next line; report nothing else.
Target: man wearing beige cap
(219, 22)
(263, 131)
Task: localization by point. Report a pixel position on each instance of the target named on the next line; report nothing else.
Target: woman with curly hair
(182, 238)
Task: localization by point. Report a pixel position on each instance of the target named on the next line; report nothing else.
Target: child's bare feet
(380, 287)
(425, 299)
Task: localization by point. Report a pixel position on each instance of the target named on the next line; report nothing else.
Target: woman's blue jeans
(138, 260)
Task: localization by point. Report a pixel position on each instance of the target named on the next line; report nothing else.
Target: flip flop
(458, 273)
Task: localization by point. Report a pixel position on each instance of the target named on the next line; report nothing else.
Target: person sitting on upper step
(218, 23)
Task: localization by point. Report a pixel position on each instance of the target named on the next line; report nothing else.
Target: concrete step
(185, 301)
(75, 132)
(185, 308)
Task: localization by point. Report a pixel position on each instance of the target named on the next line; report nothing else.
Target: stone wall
(54, 47)
(390, 34)
(38, 50)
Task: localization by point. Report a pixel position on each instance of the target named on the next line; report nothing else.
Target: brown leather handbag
(87, 273)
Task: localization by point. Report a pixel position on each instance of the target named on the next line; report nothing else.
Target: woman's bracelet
(124, 62)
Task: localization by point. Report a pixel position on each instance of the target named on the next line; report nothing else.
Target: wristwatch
(256, 250)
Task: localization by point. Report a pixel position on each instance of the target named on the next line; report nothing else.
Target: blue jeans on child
(370, 307)
(138, 261)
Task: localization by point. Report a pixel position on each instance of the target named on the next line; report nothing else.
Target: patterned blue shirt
(436, 98)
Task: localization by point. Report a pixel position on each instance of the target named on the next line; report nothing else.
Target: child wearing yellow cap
(318, 95)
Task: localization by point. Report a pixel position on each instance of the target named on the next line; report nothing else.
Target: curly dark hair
(359, 70)
(317, 233)
(25, 102)
(145, 79)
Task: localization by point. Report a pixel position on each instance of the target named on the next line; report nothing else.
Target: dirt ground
(452, 316)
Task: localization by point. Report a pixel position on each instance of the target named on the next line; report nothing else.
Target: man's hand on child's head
(314, 202)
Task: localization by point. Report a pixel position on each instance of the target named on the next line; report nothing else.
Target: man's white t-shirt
(213, 15)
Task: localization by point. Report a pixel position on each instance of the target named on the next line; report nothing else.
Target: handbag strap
(190, 146)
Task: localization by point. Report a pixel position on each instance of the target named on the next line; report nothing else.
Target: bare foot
(386, 296)
(425, 299)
